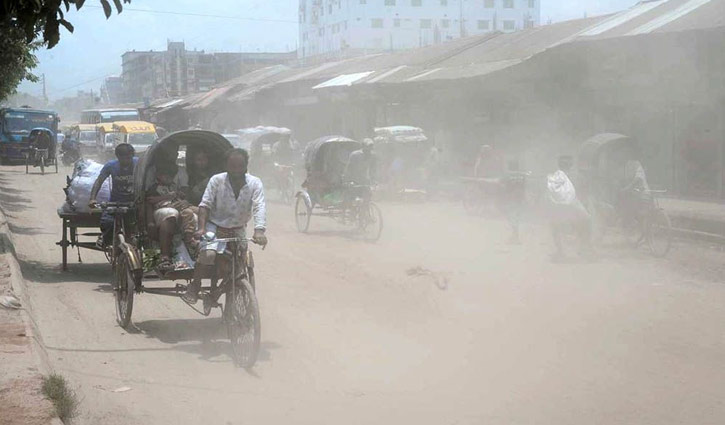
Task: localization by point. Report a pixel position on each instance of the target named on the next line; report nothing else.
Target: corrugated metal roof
(343, 80)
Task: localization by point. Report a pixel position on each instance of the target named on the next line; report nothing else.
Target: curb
(17, 285)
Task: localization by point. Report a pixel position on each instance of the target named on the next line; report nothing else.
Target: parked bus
(15, 127)
(97, 116)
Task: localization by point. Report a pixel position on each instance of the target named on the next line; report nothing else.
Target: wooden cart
(72, 225)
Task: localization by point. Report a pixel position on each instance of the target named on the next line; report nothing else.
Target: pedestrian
(566, 211)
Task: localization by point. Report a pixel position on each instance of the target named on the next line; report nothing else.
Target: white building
(331, 27)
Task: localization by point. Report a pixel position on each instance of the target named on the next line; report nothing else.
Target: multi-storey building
(331, 27)
(175, 72)
(112, 90)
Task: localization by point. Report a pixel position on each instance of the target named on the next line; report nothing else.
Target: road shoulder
(21, 352)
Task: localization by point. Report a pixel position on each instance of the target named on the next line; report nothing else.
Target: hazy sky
(81, 60)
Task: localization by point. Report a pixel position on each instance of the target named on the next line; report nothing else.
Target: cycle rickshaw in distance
(272, 167)
(240, 311)
(324, 194)
(42, 157)
(607, 164)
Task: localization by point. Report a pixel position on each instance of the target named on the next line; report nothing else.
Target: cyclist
(231, 199)
(120, 170)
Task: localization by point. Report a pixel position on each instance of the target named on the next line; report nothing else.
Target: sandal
(166, 265)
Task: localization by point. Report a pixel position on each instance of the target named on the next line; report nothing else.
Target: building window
(425, 23)
(532, 4)
(444, 2)
(390, 2)
(396, 23)
(445, 23)
(416, 3)
(484, 25)
(376, 23)
(509, 25)
(489, 4)
(508, 4)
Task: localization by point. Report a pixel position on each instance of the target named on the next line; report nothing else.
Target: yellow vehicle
(85, 134)
(106, 138)
(139, 134)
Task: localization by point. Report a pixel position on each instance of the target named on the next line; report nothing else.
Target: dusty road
(348, 337)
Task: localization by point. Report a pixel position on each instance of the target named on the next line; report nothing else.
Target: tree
(34, 17)
(22, 22)
(17, 59)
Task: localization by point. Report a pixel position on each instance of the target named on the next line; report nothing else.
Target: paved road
(349, 337)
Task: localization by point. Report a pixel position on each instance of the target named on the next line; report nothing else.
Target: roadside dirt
(21, 402)
(349, 336)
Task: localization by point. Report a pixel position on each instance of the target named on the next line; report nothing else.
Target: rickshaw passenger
(167, 153)
(171, 208)
(199, 174)
(230, 200)
(121, 172)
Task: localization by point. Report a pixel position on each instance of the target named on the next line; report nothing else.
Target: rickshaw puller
(231, 199)
(121, 172)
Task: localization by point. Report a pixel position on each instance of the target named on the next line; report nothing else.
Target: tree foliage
(36, 17)
(22, 23)
(17, 59)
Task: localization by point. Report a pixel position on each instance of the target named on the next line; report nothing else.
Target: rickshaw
(134, 241)
(603, 163)
(402, 152)
(268, 161)
(42, 158)
(325, 194)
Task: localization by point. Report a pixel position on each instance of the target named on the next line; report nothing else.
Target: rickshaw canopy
(106, 127)
(255, 137)
(213, 143)
(593, 148)
(321, 151)
(400, 134)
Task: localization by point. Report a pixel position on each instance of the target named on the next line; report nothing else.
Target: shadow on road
(41, 272)
(209, 337)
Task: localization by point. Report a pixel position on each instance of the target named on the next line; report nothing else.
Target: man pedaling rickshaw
(231, 199)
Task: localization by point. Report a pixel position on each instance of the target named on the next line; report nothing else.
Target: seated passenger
(199, 172)
(170, 205)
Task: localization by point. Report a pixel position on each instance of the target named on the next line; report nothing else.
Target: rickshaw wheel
(659, 233)
(124, 286)
(42, 164)
(303, 213)
(370, 221)
(55, 161)
(27, 163)
(243, 323)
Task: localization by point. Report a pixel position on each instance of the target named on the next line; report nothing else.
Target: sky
(83, 59)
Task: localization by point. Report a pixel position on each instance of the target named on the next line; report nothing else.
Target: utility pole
(463, 25)
(45, 94)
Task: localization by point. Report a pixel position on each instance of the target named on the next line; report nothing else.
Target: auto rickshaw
(325, 193)
(607, 164)
(139, 134)
(136, 239)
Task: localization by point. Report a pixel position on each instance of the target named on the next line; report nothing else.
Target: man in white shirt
(231, 199)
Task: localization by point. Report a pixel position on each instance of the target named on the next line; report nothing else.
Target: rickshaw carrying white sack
(78, 191)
